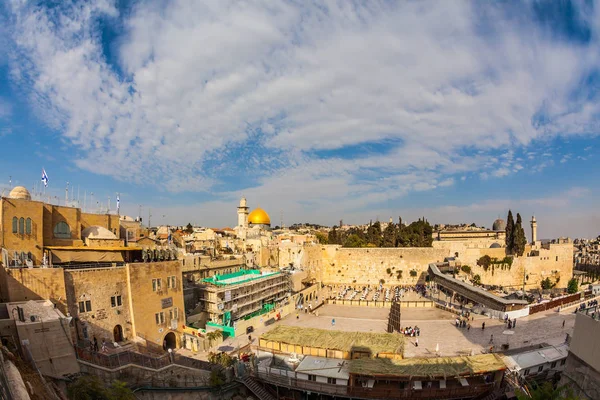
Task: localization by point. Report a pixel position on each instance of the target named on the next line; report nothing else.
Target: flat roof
(533, 358)
(375, 343)
(428, 367)
(236, 278)
(327, 367)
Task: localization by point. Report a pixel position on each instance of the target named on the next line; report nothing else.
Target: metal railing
(147, 360)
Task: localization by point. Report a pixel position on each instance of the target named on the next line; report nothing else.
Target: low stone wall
(381, 304)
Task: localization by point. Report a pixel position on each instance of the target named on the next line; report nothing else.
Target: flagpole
(84, 200)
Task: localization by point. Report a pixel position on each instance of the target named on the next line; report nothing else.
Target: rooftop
(428, 367)
(236, 278)
(536, 357)
(337, 340)
(328, 367)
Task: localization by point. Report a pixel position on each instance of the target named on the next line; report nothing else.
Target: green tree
(374, 234)
(572, 286)
(484, 261)
(546, 391)
(354, 240)
(519, 239)
(322, 238)
(510, 227)
(476, 280)
(389, 236)
(189, 228)
(87, 388)
(119, 391)
(332, 236)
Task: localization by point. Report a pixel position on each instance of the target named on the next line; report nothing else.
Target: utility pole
(67, 195)
(149, 216)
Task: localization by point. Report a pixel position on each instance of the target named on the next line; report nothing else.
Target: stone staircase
(256, 388)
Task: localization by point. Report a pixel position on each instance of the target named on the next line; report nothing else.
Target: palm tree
(214, 335)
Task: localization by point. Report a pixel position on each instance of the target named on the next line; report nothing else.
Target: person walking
(563, 324)
(417, 342)
(491, 339)
(96, 343)
(514, 323)
(482, 325)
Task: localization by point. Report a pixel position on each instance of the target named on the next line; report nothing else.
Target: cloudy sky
(315, 111)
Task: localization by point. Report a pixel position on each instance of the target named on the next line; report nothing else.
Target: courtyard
(437, 328)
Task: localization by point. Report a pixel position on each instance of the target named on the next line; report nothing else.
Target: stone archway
(118, 333)
(170, 341)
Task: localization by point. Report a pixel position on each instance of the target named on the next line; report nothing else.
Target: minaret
(243, 214)
(533, 230)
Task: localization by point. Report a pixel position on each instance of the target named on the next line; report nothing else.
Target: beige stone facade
(28, 227)
(332, 264)
(158, 312)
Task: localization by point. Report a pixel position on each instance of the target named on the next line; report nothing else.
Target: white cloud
(200, 77)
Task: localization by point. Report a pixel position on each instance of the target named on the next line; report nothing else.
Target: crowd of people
(411, 331)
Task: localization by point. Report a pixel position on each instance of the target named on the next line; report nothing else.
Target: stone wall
(98, 286)
(23, 284)
(332, 264)
(10, 208)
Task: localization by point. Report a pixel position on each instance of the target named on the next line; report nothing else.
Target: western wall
(333, 264)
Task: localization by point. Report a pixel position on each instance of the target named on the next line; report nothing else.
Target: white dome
(97, 232)
(19, 192)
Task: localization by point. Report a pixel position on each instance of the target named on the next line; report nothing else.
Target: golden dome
(258, 216)
(19, 192)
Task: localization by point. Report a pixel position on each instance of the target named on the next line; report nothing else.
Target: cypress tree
(510, 227)
(519, 239)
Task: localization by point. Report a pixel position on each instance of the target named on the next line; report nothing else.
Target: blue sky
(456, 111)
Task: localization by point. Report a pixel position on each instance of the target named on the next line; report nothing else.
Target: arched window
(62, 231)
(21, 226)
(28, 226)
(15, 225)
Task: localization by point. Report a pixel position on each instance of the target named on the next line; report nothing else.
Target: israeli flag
(44, 177)
(118, 202)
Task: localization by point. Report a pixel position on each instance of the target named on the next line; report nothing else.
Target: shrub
(547, 284)
(484, 262)
(413, 273)
(382, 281)
(572, 286)
(389, 271)
(476, 280)
(466, 269)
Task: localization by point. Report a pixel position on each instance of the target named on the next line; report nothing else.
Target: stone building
(582, 370)
(36, 233)
(88, 271)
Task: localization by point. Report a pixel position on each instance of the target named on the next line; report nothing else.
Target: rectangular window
(526, 372)
(156, 285)
(174, 314)
(81, 307)
(562, 362)
(540, 368)
(116, 301)
(312, 378)
(88, 305)
(160, 318)
(553, 365)
(332, 381)
(171, 282)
